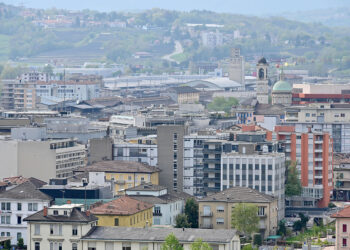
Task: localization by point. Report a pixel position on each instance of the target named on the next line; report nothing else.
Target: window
(65, 212)
(157, 210)
(307, 114)
(74, 230)
(345, 228)
(126, 246)
(220, 209)
(220, 221)
(32, 206)
(55, 212)
(19, 206)
(342, 115)
(36, 229)
(5, 219)
(19, 236)
(6, 206)
(74, 246)
(345, 242)
(109, 246)
(143, 246)
(19, 219)
(55, 229)
(116, 222)
(261, 211)
(37, 245)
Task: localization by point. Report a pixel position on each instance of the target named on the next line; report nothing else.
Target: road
(177, 50)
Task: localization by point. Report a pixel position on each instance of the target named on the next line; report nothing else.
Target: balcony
(318, 141)
(318, 159)
(206, 226)
(211, 170)
(157, 214)
(206, 214)
(318, 150)
(212, 160)
(119, 182)
(211, 151)
(211, 179)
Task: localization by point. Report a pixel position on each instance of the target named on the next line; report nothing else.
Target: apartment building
(263, 171)
(166, 205)
(342, 228)
(59, 227)
(153, 238)
(323, 117)
(42, 159)
(341, 175)
(313, 152)
(184, 94)
(123, 174)
(142, 149)
(212, 39)
(215, 210)
(170, 156)
(124, 212)
(18, 203)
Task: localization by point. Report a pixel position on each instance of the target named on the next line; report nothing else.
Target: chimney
(45, 211)
(183, 229)
(87, 213)
(69, 202)
(138, 206)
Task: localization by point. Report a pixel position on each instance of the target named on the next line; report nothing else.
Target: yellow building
(215, 210)
(124, 212)
(125, 174)
(184, 94)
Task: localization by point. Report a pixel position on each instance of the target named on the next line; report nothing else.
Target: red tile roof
(344, 213)
(122, 206)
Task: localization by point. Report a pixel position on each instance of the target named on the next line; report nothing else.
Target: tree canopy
(245, 218)
(171, 243)
(191, 211)
(222, 104)
(181, 221)
(200, 245)
(293, 185)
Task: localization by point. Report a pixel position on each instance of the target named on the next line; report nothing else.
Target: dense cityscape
(173, 130)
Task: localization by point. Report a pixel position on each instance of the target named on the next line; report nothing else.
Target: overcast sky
(253, 7)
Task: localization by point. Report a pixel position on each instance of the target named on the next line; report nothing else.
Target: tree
(245, 218)
(191, 211)
(171, 243)
(20, 243)
(48, 69)
(302, 223)
(222, 104)
(7, 244)
(181, 221)
(200, 245)
(282, 230)
(293, 186)
(257, 240)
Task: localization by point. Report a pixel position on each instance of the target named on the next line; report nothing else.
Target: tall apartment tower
(170, 156)
(236, 68)
(262, 82)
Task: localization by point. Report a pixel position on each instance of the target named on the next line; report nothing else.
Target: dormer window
(65, 212)
(55, 212)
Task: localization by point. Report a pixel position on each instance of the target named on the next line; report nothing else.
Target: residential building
(212, 39)
(123, 174)
(7, 94)
(18, 94)
(42, 159)
(342, 226)
(170, 156)
(262, 82)
(18, 203)
(153, 238)
(184, 94)
(341, 175)
(124, 212)
(166, 205)
(59, 227)
(215, 210)
(327, 117)
(141, 149)
(236, 68)
(262, 171)
(313, 152)
(100, 149)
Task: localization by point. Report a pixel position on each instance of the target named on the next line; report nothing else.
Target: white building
(193, 163)
(212, 39)
(166, 206)
(41, 159)
(139, 149)
(18, 203)
(59, 227)
(264, 172)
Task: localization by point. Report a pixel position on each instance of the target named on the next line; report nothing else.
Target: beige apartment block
(215, 210)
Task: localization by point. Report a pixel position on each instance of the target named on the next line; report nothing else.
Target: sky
(249, 7)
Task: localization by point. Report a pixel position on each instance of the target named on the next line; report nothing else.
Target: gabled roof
(159, 234)
(239, 195)
(119, 167)
(76, 216)
(28, 190)
(163, 199)
(121, 206)
(344, 213)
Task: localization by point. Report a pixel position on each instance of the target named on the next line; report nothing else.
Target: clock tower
(262, 82)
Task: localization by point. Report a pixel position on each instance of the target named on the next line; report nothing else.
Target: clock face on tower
(261, 73)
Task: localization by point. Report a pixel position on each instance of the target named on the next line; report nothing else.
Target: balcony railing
(206, 214)
(157, 214)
